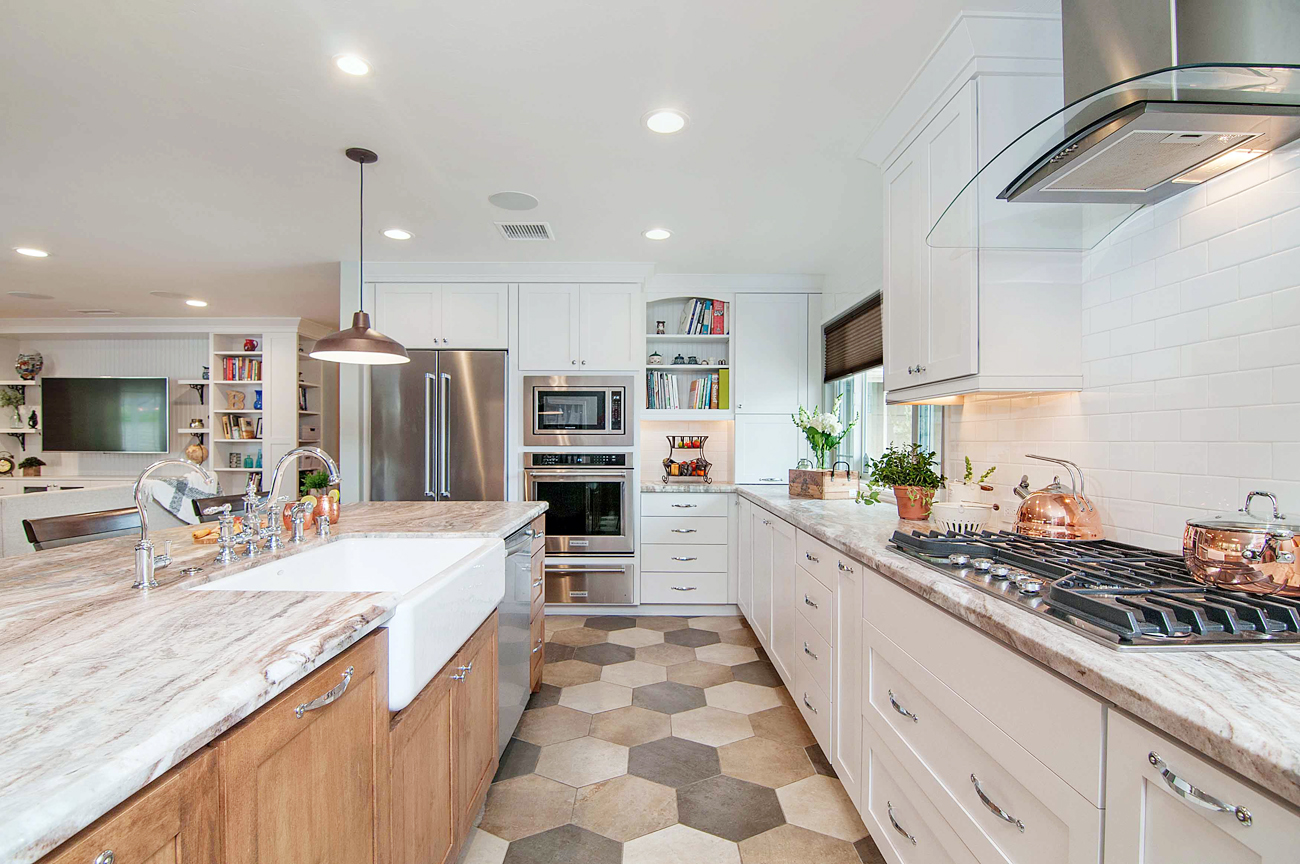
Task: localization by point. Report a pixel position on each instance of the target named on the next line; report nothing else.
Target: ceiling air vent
(525, 230)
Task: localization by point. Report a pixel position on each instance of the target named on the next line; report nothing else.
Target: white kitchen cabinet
(760, 619)
(846, 677)
(610, 317)
(1150, 820)
(592, 328)
(409, 313)
(427, 316)
(770, 336)
(783, 594)
(745, 558)
(767, 447)
(548, 327)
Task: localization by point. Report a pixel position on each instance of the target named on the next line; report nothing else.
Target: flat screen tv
(104, 415)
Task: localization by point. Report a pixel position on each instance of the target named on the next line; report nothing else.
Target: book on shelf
(241, 369)
(702, 317)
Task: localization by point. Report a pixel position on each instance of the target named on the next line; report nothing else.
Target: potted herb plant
(911, 472)
(824, 431)
(31, 466)
(12, 399)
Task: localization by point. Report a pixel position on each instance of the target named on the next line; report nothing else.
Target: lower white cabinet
(686, 549)
(745, 562)
(782, 649)
(1168, 805)
(760, 618)
(846, 677)
(767, 447)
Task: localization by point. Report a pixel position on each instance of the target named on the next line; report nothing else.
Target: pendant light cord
(361, 240)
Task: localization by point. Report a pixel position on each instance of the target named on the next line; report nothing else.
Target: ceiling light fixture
(397, 234)
(657, 234)
(30, 295)
(512, 200)
(170, 295)
(31, 253)
(665, 121)
(360, 343)
(352, 64)
(196, 303)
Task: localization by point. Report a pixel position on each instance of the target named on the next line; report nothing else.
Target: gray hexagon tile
(729, 808)
(668, 697)
(566, 845)
(611, 622)
(673, 762)
(604, 654)
(692, 638)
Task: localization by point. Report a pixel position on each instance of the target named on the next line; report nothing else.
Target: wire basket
(696, 468)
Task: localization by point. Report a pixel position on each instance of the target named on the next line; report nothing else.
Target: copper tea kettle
(1054, 512)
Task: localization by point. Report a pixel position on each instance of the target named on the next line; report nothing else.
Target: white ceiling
(197, 147)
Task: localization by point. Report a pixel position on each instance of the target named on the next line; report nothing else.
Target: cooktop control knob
(981, 563)
(959, 559)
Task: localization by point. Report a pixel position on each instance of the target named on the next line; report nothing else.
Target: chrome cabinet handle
(683, 530)
(537, 584)
(685, 506)
(844, 568)
(105, 857)
(1194, 796)
(683, 558)
(770, 479)
(995, 809)
(889, 808)
(574, 362)
(322, 701)
(809, 602)
(810, 557)
(900, 709)
(683, 587)
(809, 653)
(535, 650)
(809, 704)
(766, 522)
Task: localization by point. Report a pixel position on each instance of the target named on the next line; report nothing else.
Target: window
(880, 425)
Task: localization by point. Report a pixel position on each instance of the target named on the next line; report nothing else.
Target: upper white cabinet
(593, 328)
(767, 447)
(423, 315)
(771, 353)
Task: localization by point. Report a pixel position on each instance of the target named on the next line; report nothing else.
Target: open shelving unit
(702, 346)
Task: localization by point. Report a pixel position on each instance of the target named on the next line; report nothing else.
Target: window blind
(855, 341)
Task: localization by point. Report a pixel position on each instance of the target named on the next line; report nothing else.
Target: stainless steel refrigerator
(438, 428)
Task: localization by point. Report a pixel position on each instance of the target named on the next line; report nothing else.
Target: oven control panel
(616, 410)
(579, 460)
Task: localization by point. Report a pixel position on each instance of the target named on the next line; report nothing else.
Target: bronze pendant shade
(360, 343)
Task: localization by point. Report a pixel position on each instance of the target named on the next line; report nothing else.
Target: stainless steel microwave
(579, 410)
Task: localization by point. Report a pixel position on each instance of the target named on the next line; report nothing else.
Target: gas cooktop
(1123, 596)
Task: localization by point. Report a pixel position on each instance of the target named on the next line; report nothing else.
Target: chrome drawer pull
(1192, 795)
(810, 557)
(995, 809)
(535, 650)
(105, 857)
(809, 653)
(682, 587)
(845, 568)
(900, 709)
(683, 530)
(889, 808)
(809, 602)
(683, 557)
(809, 704)
(322, 701)
(464, 671)
(538, 583)
(685, 506)
(767, 522)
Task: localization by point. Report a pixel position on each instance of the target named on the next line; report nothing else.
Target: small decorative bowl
(961, 515)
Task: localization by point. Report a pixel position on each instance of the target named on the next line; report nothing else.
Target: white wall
(1191, 345)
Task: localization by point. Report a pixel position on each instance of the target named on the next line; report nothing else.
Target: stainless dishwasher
(513, 648)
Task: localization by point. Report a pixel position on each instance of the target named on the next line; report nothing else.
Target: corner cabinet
(590, 327)
(455, 315)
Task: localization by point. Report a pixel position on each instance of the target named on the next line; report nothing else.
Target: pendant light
(360, 343)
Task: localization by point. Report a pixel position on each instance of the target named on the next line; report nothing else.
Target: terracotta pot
(32, 472)
(914, 501)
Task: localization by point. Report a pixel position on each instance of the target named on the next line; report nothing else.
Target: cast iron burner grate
(1121, 595)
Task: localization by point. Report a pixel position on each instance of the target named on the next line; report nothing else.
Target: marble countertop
(1239, 707)
(106, 687)
(689, 487)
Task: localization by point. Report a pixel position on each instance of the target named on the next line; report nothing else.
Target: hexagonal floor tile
(557, 652)
(729, 808)
(485, 848)
(792, 843)
(759, 672)
(526, 805)
(692, 638)
(662, 623)
(668, 697)
(630, 726)
(740, 636)
(568, 673)
(784, 724)
(519, 758)
(633, 673)
(567, 844)
(718, 623)
(820, 763)
(868, 851)
(636, 637)
(724, 654)
(680, 844)
(673, 762)
(582, 761)
(596, 697)
(765, 762)
(551, 725)
(611, 622)
(820, 804)
(604, 654)
(741, 697)
(697, 673)
(712, 726)
(556, 623)
(580, 636)
(625, 808)
(545, 697)
(665, 654)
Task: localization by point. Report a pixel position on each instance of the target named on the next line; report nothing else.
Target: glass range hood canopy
(1008, 204)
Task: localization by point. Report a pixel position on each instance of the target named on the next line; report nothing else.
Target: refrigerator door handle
(428, 436)
(444, 466)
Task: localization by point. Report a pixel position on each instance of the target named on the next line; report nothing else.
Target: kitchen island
(108, 687)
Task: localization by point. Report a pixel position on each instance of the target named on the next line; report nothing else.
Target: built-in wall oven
(578, 410)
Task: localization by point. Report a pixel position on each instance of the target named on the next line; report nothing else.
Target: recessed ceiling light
(170, 295)
(31, 253)
(352, 64)
(397, 234)
(665, 121)
(512, 200)
(198, 303)
(657, 234)
(28, 295)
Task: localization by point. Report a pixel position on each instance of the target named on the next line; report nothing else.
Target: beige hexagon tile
(525, 806)
(741, 697)
(791, 843)
(568, 673)
(697, 673)
(726, 655)
(661, 623)
(555, 623)
(680, 844)
(636, 637)
(596, 697)
(665, 654)
(712, 726)
(625, 808)
(580, 637)
(717, 624)
(765, 762)
(739, 636)
(485, 848)
(820, 804)
(631, 726)
(582, 761)
(551, 725)
(633, 673)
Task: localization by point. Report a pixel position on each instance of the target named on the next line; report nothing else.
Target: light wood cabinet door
(175, 820)
(783, 594)
(475, 315)
(548, 328)
(767, 447)
(537, 637)
(424, 812)
(761, 554)
(305, 779)
(608, 317)
(771, 344)
(474, 702)
(409, 313)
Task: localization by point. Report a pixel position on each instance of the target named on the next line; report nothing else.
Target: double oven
(590, 530)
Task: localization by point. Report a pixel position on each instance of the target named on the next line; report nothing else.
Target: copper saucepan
(1244, 552)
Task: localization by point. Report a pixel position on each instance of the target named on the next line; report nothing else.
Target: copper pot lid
(1244, 520)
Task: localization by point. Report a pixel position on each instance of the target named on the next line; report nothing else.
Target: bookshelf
(711, 352)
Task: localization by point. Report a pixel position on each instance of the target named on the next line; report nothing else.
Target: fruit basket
(693, 468)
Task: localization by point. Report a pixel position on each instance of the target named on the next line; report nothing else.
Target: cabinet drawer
(814, 651)
(678, 558)
(968, 768)
(995, 679)
(539, 534)
(684, 504)
(695, 530)
(683, 587)
(815, 706)
(814, 600)
(816, 557)
(536, 576)
(537, 636)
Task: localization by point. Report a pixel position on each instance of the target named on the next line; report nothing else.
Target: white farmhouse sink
(448, 587)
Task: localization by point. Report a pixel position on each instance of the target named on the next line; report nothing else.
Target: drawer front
(814, 651)
(998, 682)
(539, 533)
(815, 706)
(970, 769)
(816, 557)
(538, 607)
(537, 576)
(684, 504)
(815, 601)
(683, 587)
(679, 558)
(694, 530)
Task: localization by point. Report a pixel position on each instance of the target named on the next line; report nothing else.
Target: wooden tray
(828, 485)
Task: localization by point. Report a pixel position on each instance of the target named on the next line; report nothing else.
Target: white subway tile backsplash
(1187, 457)
(1204, 358)
(1111, 259)
(1270, 423)
(1095, 346)
(1210, 424)
(1133, 456)
(1133, 338)
(1108, 316)
(1134, 280)
(1175, 393)
(1240, 388)
(1286, 228)
(1213, 220)
(1244, 244)
(1270, 273)
(1156, 488)
(1160, 240)
(1250, 315)
(1284, 383)
(1285, 461)
(1103, 373)
(1208, 493)
(1241, 459)
(1211, 289)
(1182, 329)
(1284, 308)
(1237, 180)
(1157, 426)
(1160, 303)
(1095, 292)
(1162, 363)
(1182, 265)
(1175, 208)
(1270, 348)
